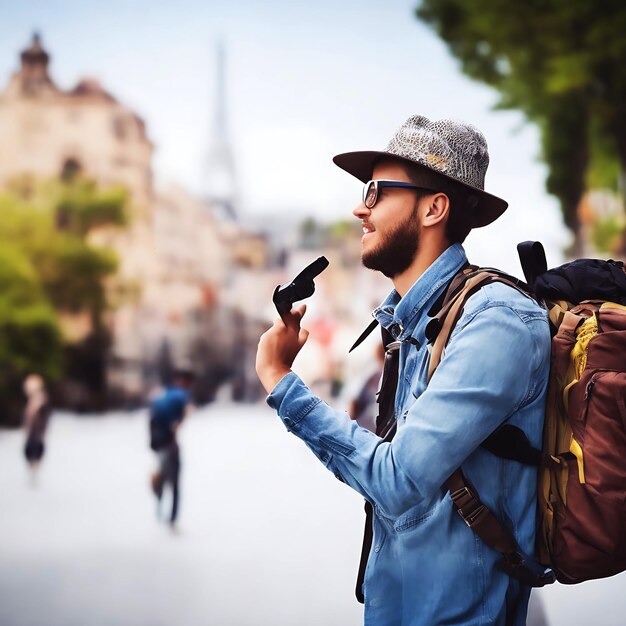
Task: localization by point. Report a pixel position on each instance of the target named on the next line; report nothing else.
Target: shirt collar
(401, 312)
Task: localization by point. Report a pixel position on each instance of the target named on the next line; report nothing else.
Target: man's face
(391, 228)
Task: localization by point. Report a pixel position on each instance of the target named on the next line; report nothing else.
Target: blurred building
(194, 286)
(47, 131)
(176, 255)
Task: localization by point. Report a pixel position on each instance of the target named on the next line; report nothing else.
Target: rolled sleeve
(292, 400)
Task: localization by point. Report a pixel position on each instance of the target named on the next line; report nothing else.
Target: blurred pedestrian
(167, 412)
(35, 420)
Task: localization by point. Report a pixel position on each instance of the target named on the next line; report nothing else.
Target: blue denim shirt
(426, 567)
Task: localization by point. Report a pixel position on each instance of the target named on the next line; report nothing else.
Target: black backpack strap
(386, 419)
(511, 442)
(368, 536)
(385, 428)
(532, 256)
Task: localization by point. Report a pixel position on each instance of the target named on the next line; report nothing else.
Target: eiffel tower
(220, 178)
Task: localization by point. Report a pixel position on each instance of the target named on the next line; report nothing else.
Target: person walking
(35, 421)
(167, 412)
(422, 196)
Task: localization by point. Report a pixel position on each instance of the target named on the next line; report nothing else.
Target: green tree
(51, 221)
(30, 340)
(561, 63)
(48, 268)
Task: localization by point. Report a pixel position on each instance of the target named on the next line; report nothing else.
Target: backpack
(582, 478)
(581, 533)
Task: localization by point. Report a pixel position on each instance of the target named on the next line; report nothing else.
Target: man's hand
(279, 346)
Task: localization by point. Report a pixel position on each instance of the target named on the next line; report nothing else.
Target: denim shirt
(426, 567)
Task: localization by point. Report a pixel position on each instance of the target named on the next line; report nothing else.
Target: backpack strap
(368, 537)
(386, 428)
(505, 442)
(477, 516)
(511, 442)
(485, 525)
(441, 326)
(532, 256)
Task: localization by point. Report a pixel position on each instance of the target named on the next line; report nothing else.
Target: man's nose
(361, 211)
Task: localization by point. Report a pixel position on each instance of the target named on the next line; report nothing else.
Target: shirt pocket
(415, 518)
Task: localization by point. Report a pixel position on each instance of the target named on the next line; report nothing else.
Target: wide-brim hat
(449, 155)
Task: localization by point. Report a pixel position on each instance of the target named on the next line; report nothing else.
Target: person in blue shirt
(423, 194)
(167, 411)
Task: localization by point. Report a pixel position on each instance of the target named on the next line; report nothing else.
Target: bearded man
(422, 196)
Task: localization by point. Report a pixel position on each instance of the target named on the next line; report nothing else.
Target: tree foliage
(47, 267)
(561, 62)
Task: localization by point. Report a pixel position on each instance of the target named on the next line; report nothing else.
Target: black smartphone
(302, 286)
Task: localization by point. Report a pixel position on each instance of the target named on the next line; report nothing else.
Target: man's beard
(397, 250)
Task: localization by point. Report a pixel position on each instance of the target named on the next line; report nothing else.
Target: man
(426, 567)
(166, 414)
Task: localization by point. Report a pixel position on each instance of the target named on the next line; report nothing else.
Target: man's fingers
(303, 335)
(294, 316)
(297, 313)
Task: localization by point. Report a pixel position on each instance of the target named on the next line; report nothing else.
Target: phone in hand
(302, 286)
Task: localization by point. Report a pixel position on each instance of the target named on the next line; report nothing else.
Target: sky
(304, 81)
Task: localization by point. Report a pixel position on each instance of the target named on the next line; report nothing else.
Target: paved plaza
(267, 536)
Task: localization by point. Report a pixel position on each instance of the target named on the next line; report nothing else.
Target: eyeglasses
(372, 187)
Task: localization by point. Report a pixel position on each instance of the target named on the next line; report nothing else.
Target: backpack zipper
(596, 376)
(589, 388)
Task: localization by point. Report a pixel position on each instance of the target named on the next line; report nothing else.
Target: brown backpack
(582, 465)
(582, 492)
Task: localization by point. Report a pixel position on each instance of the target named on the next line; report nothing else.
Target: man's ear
(437, 210)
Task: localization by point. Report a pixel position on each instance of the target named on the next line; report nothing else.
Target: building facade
(173, 254)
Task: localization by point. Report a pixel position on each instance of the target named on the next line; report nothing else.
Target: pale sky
(305, 80)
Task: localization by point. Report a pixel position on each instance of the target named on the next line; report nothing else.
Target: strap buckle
(467, 505)
(526, 569)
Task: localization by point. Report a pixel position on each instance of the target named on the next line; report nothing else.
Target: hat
(448, 154)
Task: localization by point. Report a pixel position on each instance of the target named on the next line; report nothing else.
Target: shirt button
(377, 549)
(396, 330)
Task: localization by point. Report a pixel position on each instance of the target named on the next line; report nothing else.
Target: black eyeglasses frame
(382, 184)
